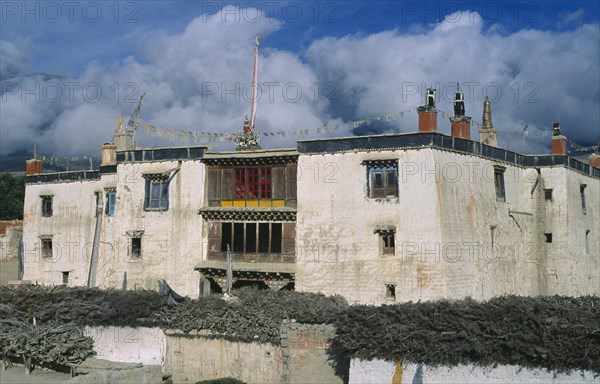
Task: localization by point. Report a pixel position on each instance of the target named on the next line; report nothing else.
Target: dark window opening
(499, 184)
(587, 241)
(252, 237)
(548, 237)
(263, 237)
(548, 194)
(256, 284)
(390, 292)
(157, 195)
(582, 193)
(214, 286)
(111, 200)
(65, 278)
(238, 237)
(47, 248)
(46, 206)
(136, 247)
(383, 182)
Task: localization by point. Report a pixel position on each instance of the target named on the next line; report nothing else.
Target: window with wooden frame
(46, 205)
(387, 240)
(252, 239)
(157, 192)
(46, 242)
(111, 200)
(382, 178)
(267, 186)
(252, 183)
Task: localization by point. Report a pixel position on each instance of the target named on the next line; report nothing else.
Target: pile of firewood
(554, 332)
(252, 316)
(44, 344)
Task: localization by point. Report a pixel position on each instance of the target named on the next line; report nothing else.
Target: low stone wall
(380, 372)
(307, 357)
(129, 345)
(193, 357)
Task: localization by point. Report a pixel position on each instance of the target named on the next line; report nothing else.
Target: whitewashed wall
(129, 345)
(381, 372)
(171, 240)
(444, 217)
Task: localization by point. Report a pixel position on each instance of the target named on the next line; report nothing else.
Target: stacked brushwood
(42, 325)
(554, 332)
(44, 344)
(255, 316)
(83, 306)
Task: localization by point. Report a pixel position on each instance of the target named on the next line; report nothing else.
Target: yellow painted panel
(397, 378)
(278, 203)
(252, 203)
(239, 203)
(226, 203)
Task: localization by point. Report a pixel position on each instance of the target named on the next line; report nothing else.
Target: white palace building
(389, 218)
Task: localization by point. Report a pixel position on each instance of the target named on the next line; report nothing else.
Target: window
(582, 193)
(587, 241)
(252, 237)
(157, 194)
(383, 181)
(388, 244)
(252, 183)
(46, 206)
(387, 239)
(111, 199)
(390, 292)
(251, 186)
(65, 278)
(548, 237)
(136, 247)
(47, 247)
(548, 194)
(499, 183)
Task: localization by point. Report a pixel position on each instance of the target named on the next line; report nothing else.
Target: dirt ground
(16, 375)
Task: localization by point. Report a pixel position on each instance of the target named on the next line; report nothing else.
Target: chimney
(559, 142)
(428, 113)
(460, 125)
(33, 167)
(109, 154)
(487, 133)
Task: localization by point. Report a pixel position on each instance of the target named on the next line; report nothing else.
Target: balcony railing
(254, 257)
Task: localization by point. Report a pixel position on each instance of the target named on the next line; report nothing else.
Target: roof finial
(487, 115)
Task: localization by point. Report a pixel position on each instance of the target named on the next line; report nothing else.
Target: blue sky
(542, 56)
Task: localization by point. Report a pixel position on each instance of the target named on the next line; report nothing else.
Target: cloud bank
(199, 79)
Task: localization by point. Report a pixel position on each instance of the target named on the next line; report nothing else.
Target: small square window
(47, 248)
(136, 247)
(548, 194)
(390, 292)
(548, 237)
(65, 278)
(46, 206)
